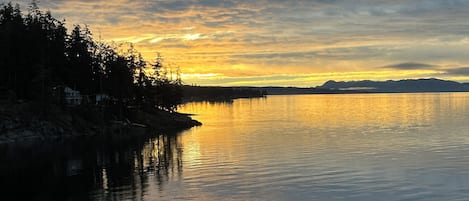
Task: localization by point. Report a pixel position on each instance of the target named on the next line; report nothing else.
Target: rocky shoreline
(21, 123)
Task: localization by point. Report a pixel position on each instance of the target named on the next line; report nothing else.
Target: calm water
(305, 147)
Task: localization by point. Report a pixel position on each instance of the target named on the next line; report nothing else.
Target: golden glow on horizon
(303, 80)
(199, 75)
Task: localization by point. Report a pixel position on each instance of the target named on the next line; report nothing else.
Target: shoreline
(19, 123)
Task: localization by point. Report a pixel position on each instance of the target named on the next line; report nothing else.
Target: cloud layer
(252, 42)
(410, 66)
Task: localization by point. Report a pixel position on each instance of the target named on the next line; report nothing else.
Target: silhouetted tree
(44, 51)
(169, 91)
(80, 60)
(137, 64)
(12, 66)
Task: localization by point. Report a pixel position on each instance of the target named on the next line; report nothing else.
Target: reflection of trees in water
(104, 169)
(161, 156)
(129, 173)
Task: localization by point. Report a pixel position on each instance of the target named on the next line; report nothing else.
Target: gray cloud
(332, 18)
(410, 66)
(461, 71)
(346, 53)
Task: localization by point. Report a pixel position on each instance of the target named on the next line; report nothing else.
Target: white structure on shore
(101, 98)
(72, 97)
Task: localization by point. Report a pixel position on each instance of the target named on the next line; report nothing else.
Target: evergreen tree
(12, 29)
(80, 60)
(45, 56)
(137, 65)
(168, 93)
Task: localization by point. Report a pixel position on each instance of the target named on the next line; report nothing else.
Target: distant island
(400, 86)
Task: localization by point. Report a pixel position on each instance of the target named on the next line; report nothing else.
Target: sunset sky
(285, 43)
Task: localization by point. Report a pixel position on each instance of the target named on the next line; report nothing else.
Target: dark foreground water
(306, 147)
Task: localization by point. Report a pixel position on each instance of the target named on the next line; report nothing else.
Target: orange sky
(285, 43)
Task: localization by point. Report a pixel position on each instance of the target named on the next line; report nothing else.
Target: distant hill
(401, 86)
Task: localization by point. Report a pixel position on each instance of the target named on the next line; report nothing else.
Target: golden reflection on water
(319, 120)
(332, 110)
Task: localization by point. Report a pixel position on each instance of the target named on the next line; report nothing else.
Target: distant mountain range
(390, 86)
(368, 86)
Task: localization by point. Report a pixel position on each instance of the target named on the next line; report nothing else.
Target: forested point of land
(47, 70)
(212, 93)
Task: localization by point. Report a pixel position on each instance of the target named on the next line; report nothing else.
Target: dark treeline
(199, 93)
(39, 58)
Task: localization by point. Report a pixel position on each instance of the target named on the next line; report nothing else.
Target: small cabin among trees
(72, 97)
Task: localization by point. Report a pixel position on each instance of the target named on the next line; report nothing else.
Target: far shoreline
(345, 93)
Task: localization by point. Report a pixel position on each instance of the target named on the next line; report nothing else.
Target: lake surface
(300, 147)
